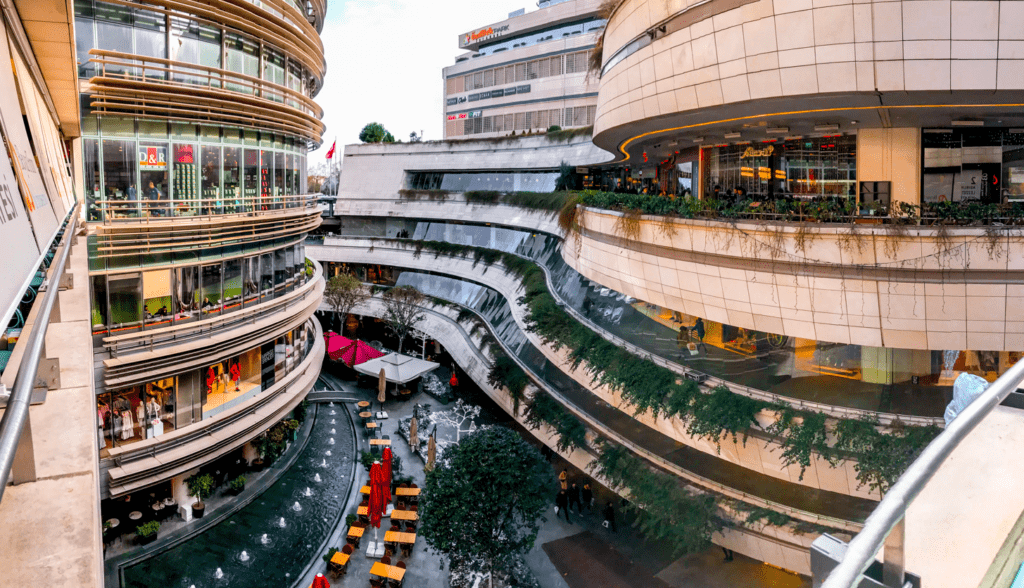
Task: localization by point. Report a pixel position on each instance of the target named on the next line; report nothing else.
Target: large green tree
(375, 133)
(483, 500)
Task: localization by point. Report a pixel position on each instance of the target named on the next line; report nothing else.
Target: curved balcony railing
(173, 90)
(114, 209)
(298, 39)
(120, 345)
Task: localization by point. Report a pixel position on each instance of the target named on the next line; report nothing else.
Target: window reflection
(232, 284)
(212, 289)
(125, 295)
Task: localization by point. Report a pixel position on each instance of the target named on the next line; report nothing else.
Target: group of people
(571, 493)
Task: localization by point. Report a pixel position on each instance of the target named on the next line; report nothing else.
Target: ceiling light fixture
(733, 135)
(826, 128)
(777, 130)
(968, 123)
(698, 139)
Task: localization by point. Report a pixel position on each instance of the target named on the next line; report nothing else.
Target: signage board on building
(523, 89)
(485, 33)
(476, 114)
(152, 157)
(451, 101)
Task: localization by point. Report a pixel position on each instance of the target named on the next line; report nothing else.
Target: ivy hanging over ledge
(881, 457)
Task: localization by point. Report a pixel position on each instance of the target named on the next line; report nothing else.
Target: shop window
(156, 305)
(252, 177)
(233, 201)
(229, 383)
(99, 305)
(266, 180)
(212, 289)
(232, 284)
(189, 403)
(251, 280)
(186, 299)
(186, 175)
(125, 294)
(85, 39)
(279, 174)
(153, 172)
(875, 194)
(212, 203)
(267, 277)
(121, 194)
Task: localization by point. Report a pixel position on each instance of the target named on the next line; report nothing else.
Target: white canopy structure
(398, 369)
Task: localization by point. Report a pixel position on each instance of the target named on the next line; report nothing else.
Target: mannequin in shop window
(236, 375)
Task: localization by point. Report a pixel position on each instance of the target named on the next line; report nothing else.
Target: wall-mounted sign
(751, 152)
(451, 101)
(152, 157)
(474, 97)
(523, 89)
(497, 93)
(484, 33)
(268, 356)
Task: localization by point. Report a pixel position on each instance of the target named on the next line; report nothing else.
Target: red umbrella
(378, 505)
(320, 582)
(386, 465)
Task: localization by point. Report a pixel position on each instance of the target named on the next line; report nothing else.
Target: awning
(398, 369)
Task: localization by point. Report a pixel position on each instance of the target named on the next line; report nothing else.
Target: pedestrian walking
(562, 505)
(574, 498)
(588, 497)
(728, 554)
(563, 479)
(609, 517)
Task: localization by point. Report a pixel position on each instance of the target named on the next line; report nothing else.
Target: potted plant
(349, 519)
(366, 458)
(237, 485)
(260, 444)
(293, 426)
(147, 532)
(199, 486)
(330, 554)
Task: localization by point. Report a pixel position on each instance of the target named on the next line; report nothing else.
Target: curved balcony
(140, 358)
(138, 85)
(144, 463)
(286, 217)
(682, 71)
(295, 36)
(916, 288)
(242, 321)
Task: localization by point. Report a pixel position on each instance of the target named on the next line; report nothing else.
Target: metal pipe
(16, 413)
(860, 553)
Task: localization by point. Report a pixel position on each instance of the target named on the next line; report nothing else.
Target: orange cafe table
(397, 537)
(385, 571)
(404, 515)
(406, 492)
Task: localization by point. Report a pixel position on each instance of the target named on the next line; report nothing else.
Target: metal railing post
(893, 564)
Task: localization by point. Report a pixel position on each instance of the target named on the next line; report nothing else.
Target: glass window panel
(279, 174)
(156, 289)
(266, 179)
(267, 276)
(185, 174)
(125, 292)
(99, 305)
(243, 56)
(233, 180)
(281, 271)
(153, 178)
(232, 284)
(252, 177)
(91, 177)
(156, 129)
(212, 289)
(188, 404)
(120, 196)
(251, 280)
(186, 295)
(211, 161)
(85, 39)
(273, 72)
(150, 39)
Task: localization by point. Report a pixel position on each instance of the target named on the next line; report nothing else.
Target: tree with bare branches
(403, 310)
(343, 293)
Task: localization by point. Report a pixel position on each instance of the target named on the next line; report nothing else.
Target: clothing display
(127, 425)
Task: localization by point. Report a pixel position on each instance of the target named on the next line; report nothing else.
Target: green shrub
(238, 484)
(148, 529)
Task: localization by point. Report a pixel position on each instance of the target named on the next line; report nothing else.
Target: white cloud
(384, 61)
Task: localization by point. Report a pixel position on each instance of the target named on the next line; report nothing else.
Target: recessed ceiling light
(733, 135)
(968, 123)
(698, 139)
(777, 130)
(826, 128)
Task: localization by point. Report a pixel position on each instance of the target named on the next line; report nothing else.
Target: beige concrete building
(526, 73)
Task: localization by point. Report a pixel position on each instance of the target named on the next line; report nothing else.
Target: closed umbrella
(377, 504)
(431, 452)
(386, 466)
(414, 441)
(320, 582)
(382, 383)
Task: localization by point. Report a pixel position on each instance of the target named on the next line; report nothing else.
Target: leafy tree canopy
(403, 310)
(375, 133)
(344, 292)
(483, 499)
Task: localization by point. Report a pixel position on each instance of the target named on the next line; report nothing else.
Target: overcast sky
(384, 60)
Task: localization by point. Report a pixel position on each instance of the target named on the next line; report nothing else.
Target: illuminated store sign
(152, 157)
(751, 152)
(465, 115)
(484, 33)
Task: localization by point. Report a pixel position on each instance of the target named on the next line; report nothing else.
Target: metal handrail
(860, 553)
(16, 414)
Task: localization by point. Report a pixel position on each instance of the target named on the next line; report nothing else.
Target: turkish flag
(330, 153)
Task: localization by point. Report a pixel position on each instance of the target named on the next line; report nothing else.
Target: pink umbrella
(378, 505)
(336, 345)
(356, 353)
(386, 465)
(320, 582)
